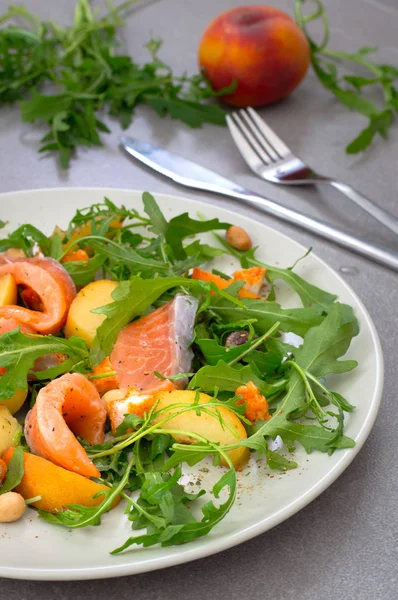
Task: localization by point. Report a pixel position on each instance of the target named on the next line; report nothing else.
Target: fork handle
(383, 256)
(384, 217)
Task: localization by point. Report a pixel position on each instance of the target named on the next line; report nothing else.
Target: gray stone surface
(344, 545)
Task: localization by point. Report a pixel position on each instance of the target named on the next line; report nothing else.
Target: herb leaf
(318, 355)
(228, 378)
(296, 320)
(327, 342)
(183, 226)
(66, 76)
(188, 531)
(19, 351)
(348, 88)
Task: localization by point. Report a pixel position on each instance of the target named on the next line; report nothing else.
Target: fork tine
(259, 136)
(269, 135)
(259, 150)
(245, 149)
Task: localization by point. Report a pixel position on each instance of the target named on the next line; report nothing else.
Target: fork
(269, 157)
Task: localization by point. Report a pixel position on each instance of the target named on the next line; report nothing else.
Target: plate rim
(253, 530)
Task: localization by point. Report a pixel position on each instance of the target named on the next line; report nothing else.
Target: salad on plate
(127, 357)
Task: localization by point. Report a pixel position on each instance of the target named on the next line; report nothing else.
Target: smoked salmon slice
(50, 283)
(157, 342)
(68, 404)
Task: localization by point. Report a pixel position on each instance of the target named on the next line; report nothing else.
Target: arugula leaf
(318, 355)
(83, 272)
(26, 238)
(296, 320)
(327, 342)
(183, 226)
(15, 471)
(184, 532)
(19, 351)
(378, 123)
(103, 211)
(228, 378)
(158, 221)
(189, 112)
(265, 362)
(117, 254)
(325, 63)
(202, 252)
(45, 108)
(213, 352)
(312, 437)
(164, 498)
(310, 295)
(66, 76)
(278, 462)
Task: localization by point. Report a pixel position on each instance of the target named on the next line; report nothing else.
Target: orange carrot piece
(57, 487)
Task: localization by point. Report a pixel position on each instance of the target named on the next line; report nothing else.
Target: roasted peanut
(238, 238)
(12, 507)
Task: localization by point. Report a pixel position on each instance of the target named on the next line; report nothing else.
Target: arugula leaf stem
(157, 521)
(102, 375)
(303, 374)
(147, 429)
(85, 239)
(327, 392)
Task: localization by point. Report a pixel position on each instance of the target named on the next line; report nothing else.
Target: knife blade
(193, 175)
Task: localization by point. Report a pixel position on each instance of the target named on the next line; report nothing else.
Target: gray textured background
(344, 545)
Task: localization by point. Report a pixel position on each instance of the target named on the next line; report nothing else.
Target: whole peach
(259, 47)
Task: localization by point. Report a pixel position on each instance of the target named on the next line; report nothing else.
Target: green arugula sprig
(79, 65)
(314, 359)
(349, 88)
(19, 351)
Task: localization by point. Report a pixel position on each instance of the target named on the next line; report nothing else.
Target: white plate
(34, 549)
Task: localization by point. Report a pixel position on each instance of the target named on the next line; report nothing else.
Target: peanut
(238, 238)
(12, 507)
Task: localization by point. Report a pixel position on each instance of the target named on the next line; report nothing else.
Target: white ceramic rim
(260, 527)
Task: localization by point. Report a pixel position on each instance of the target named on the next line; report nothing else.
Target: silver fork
(269, 157)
